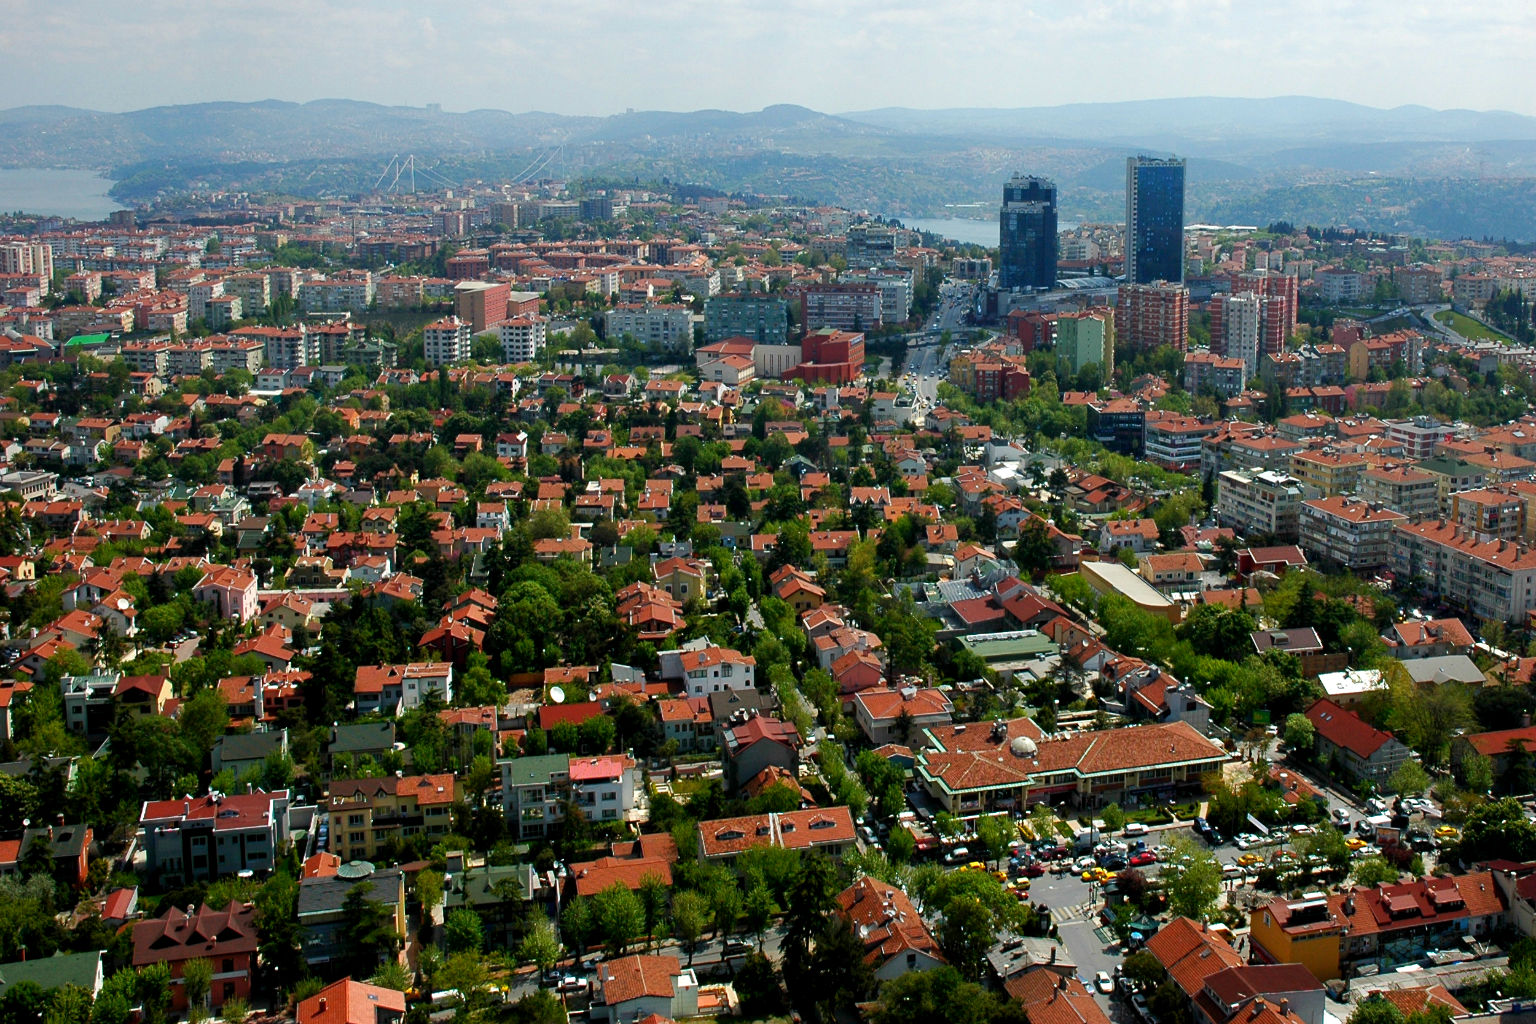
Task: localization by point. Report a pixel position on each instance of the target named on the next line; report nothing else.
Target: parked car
(1341, 817)
(1033, 870)
(958, 855)
(1143, 859)
(1103, 982)
(736, 947)
(1136, 828)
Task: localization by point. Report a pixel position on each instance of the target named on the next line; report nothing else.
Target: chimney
(321, 1007)
(1285, 1006)
(1053, 954)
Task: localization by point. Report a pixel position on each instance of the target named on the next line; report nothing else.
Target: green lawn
(1467, 327)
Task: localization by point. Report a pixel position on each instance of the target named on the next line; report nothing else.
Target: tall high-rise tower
(1154, 220)
(1026, 225)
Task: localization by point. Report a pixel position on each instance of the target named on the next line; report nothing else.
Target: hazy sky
(591, 57)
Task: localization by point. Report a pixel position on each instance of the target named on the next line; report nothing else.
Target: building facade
(1027, 234)
(1154, 220)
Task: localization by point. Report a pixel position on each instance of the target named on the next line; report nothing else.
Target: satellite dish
(591, 696)
(557, 694)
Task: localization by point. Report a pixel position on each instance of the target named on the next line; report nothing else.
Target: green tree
(1114, 818)
(1410, 779)
(1373, 871)
(1192, 892)
(1299, 733)
(759, 911)
(968, 930)
(462, 931)
(690, 915)
(197, 980)
(541, 946)
(368, 932)
(1476, 772)
(1375, 1010)
(653, 901)
(993, 832)
(619, 918)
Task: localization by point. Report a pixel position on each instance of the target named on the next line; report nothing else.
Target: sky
(596, 57)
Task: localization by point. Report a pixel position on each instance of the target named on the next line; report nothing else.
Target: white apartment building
(522, 338)
(1259, 503)
(1419, 435)
(1489, 579)
(339, 296)
(198, 296)
(446, 341)
(667, 327)
(32, 258)
(1243, 327)
(1347, 532)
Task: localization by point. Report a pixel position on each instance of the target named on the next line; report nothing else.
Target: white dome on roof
(1023, 746)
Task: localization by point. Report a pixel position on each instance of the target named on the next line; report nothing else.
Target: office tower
(1154, 220)
(1027, 233)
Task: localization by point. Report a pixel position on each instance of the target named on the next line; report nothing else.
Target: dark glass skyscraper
(1027, 234)
(1154, 220)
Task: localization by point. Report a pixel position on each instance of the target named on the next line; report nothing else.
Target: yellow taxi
(1356, 843)
(1446, 832)
(1249, 859)
(975, 865)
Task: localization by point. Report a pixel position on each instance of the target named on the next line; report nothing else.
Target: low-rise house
(371, 818)
(394, 689)
(322, 916)
(247, 752)
(1352, 745)
(81, 970)
(1432, 638)
(213, 836)
(226, 938)
(1383, 927)
(353, 1002)
(899, 715)
(895, 938)
(65, 847)
(750, 742)
(829, 829)
(231, 593)
(639, 988)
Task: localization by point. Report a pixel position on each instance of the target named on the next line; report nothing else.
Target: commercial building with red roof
(1386, 926)
(978, 768)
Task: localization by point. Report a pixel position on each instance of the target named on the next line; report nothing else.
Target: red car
(1144, 858)
(1034, 869)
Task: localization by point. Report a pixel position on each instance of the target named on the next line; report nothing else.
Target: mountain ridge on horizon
(896, 160)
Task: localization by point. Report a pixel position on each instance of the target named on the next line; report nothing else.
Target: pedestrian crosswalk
(1078, 912)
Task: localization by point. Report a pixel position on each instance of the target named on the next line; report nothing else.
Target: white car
(1103, 982)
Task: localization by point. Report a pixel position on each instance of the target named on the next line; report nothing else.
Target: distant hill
(1245, 154)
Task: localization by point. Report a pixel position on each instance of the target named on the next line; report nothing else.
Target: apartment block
(522, 338)
(1173, 441)
(1488, 579)
(664, 327)
(1402, 489)
(447, 341)
(1326, 473)
(1347, 532)
(1488, 513)
(1265, 502)
(763, 318)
